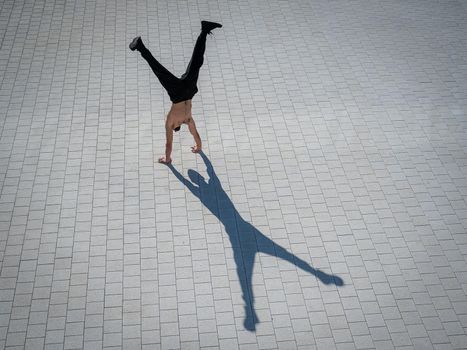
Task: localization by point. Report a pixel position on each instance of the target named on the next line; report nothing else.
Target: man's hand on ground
(195, 149)
(164, 161)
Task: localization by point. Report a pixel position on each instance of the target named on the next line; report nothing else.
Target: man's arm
(194, 132)
(168, 145)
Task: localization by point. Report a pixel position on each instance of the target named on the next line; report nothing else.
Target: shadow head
(195, 177)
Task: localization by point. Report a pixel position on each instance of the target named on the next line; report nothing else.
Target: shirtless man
(181, 90)
(180, 113)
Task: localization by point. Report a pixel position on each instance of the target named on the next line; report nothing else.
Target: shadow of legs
(270, 247)
(245, 260)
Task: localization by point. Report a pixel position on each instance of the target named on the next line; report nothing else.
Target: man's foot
(207, 26)
(135, 43)
(251, 319)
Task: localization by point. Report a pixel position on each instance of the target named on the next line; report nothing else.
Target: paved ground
(332, 207)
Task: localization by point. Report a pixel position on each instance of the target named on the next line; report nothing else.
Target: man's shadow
(246, 240)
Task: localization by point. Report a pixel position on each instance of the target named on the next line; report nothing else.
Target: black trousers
(183, 88)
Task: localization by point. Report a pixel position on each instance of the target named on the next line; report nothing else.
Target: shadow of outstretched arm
(194, 189)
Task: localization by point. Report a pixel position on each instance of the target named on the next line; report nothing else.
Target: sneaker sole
(134, 43)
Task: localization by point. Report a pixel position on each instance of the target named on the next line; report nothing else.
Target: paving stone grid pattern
(336, 128)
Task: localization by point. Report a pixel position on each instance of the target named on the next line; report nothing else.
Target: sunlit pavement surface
(328, 210)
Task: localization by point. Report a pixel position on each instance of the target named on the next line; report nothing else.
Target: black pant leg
(197, 59)
(169, 81)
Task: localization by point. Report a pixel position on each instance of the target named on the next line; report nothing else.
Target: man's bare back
(180, 113)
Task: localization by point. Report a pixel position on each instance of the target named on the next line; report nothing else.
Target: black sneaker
(135, 43)
(207, 26)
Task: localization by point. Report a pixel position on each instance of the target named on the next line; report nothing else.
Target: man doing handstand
(181, 90)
